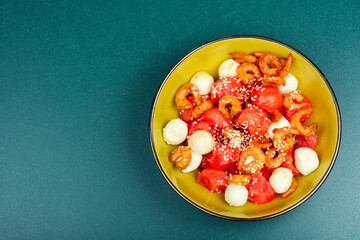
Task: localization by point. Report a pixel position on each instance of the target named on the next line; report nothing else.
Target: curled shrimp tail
(261, 141)
(247, 73)
(282, 62)
(273, 161)
(184, 91)
(256, 164)
(258, 54)
(240, 58)
(269, 64)
(289, 100)
(242, 179)
(283, 139)
(182, 157)
(292, 188)
(286, 68)
(202, 107)
(298, 128)
(274, 80)
(229, 102)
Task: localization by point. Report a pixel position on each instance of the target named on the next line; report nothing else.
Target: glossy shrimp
(202, 107)
(289, 100)
(282, 61)
(240, 58)
(292, 188)
(299, 128)
(261, 141)
(273, 161)
(242, 179)
(258, 53)
(184, 91)
(286, 67)
(273, 80)
(283, 139)
(269, 64)
(229, 102)
(256, 157)
(182, 157)
(247, 73)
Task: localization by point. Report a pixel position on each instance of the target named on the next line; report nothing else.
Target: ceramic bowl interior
(208, 57)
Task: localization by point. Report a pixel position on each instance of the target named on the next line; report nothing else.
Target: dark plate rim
(338, 141)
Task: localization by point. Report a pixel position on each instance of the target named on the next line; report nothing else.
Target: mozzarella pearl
(228, 68)
(236, 195)
(306, 160)
(194, 164)
(203, 81)
(281, 179)
(291, 84)
(283, 122)
(201, 142)
(175, 132)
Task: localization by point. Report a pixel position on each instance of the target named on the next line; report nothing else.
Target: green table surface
(77, 80)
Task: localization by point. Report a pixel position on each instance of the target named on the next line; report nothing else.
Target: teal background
(77, 80)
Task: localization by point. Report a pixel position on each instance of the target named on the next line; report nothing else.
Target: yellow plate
(208, 57)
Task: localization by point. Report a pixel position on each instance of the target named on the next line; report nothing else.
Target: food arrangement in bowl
(236, 131)
(246, 130)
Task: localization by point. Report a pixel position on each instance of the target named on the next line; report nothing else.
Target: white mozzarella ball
(306, 160)
(203, 81)
(291, 84)
(194, 164)
(201, 142)
(228, 68)
(236, 195)
(175, 132)
(283, 122)
(281, 179)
